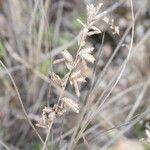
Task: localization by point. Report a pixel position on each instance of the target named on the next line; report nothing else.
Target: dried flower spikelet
(93, 30)
(67, 56)
(47, 118)
(98, 7)
(59, 110)
(57, 61)
(89, 28)
(68, 59)
(90, 10)
(56, 79)
(106, 19)
(51, 116)
(78, 76)
(75, 75)
(41, 123)
(74, 79)
(47, 109)
(71, 104)
(86, 54)
(92, 13)
(116, 30)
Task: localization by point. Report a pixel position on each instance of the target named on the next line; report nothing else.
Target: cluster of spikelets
(76, 66)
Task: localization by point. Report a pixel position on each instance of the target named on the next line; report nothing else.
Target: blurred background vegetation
(32, 35)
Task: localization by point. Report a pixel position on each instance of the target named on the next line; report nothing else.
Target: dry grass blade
(84, 125)
(138, 101)
(4, 145)
(47, 137)
(148, 135)
(127, 128)
(20, 100)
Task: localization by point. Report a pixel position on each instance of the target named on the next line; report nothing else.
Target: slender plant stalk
(21, 103)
